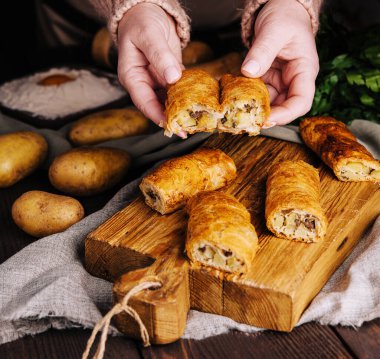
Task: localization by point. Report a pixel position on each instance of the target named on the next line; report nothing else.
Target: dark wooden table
(307, 341)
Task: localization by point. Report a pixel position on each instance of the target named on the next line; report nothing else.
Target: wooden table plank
(364, 342)
(307, 341)
(67, 344)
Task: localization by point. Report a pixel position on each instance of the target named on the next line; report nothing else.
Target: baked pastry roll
(245, 104)
(292, 207)
(339, 149)
(170, 185)
(219, 233)
(192, 103)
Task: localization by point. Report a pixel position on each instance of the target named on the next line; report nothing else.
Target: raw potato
(20, 154)
(87, 171)
(41, 213)
(55, 80)
(107, 125)
(196, 52)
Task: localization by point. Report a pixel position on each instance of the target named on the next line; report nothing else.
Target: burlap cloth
(46, 286)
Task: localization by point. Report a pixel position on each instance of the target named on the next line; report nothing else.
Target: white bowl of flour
(88, 90)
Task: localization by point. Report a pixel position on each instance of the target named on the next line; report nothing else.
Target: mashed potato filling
(296, 224)
(152, 198)
(242, 115)
(197, 117)
(357, 171)
(220, 258)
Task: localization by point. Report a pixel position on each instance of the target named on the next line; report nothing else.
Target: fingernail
(182, 134)
(171, 75)
(268, 125)
(252, 67)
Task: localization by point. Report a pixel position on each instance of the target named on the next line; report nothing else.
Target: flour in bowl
(86, 91)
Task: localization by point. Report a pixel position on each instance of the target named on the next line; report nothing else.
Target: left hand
(284, 54)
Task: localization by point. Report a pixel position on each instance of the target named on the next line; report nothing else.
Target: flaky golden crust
(193, 104)
(337, 146)
(220, 221)
(194, 88)
(294, 187)
(250, 90)
(170, 185)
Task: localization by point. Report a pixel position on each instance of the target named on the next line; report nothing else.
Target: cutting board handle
(163, 310)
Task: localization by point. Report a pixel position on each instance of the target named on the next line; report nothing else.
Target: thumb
(160, 56)
(265, 48)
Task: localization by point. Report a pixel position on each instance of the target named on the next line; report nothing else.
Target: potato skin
(87, 171)
(20, 154)
(108, 125)
(41, 213)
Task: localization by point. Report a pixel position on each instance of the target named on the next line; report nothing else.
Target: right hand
(284, 54)
(149, 56)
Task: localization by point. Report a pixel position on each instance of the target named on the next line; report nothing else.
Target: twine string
(117, 309)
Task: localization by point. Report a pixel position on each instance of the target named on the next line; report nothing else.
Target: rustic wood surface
(308, 341)
(285, 275)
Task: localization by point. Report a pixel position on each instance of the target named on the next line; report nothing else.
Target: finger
(298, 102)
(182, 134)
(156, 49)
(273, 77)
(134, 76)
(265, 47)
(279, 99)
(156, 76)
(273, 93)
(145, 98)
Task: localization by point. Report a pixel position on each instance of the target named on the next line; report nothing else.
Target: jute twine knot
(117, 309)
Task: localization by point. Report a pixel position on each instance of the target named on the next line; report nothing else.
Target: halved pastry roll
(292, 207)
(245, 105)
(339, 149)
(219, 233)
(192, 103)
(170, 185)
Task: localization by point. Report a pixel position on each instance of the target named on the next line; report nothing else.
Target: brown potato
(55, 80)
(41, 213)
(87, 171)
(107, 125)
(196, 52)
(20, 154)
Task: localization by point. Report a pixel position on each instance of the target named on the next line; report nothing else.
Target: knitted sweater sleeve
(112, 11)
(250, 10)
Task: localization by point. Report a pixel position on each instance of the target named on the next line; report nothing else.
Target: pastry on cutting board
(192, 104)
(219, 233)
(169, 186)
(292, 206)
(339, 149)
(245, 104)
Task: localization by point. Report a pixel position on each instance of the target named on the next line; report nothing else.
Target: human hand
(149, 56)
(284, 54)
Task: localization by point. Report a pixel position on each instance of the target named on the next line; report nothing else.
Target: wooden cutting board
(285, 275)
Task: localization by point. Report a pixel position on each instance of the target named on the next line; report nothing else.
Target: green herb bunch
(348, 84)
